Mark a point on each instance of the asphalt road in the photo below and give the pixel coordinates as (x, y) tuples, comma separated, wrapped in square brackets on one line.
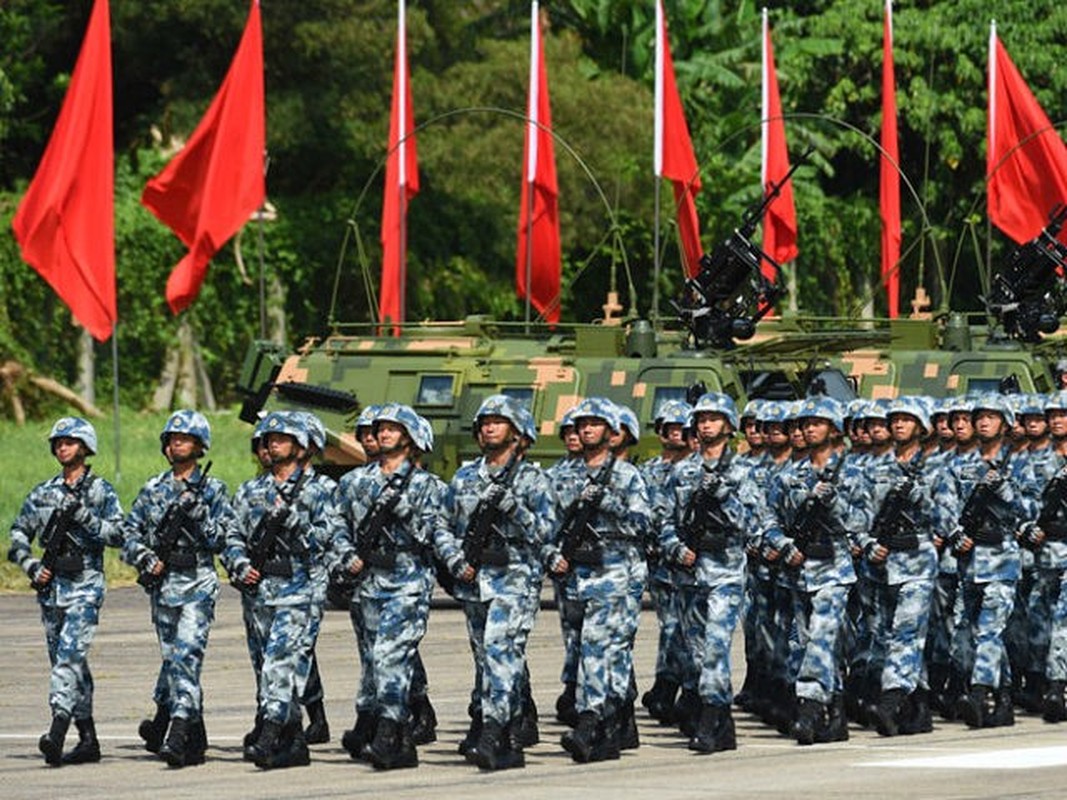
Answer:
[(1028, 760)]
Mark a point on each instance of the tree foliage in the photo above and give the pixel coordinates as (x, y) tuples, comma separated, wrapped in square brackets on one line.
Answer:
[(329, 78)]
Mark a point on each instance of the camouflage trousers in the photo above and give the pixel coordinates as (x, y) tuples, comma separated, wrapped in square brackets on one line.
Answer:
[(1040, 605), (708, 618), (900, 635), (495, 629), (570, 626), (182, 632), (819, 619), (1056, 663), (282, 630), (392, 626), (670, 655), (365, 693), (69, 632), (309, 681), (978, 648), (783, 639), (757, 621), (863, 610), (942, 624), (1017, 631)]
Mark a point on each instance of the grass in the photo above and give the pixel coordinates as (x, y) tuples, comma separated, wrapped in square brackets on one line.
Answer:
[(29, 462)]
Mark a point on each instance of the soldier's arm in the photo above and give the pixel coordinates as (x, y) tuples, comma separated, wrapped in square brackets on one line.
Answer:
[(30, 521)]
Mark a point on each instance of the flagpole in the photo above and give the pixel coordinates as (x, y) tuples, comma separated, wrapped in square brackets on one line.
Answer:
[(992, 133), (115, 400), (657, 158), (532, 118), (402, 157), (529, 250)]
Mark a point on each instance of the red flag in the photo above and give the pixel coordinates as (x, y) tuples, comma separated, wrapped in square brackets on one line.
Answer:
[(540, 252), (401, 184), (889, 177), (210, 189), (673, 155), (1026, 161), (780, 223), (65, 224)]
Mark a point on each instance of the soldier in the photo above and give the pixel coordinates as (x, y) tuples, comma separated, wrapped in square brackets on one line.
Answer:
[(900, 549), (982, 507), (390, 513), (503, 510), (286, 522), (939, 419), (671, 426), (808, 528), (73, 516), (709, 525), (751, 430), (597, 555), (178, 523)]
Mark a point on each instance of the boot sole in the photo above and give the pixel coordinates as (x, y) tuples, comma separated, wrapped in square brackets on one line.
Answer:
[(53, 755)]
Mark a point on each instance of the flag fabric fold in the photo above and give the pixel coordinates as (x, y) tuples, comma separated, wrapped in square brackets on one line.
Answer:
[(1026, 160), (780, 222), (211, 188), (673, 156), (538, 248), (889, 177), (401, 185), (65, 222)]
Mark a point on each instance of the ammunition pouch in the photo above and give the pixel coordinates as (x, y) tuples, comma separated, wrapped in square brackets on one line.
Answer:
[(897, 542), (379, 560), (589, 556), (708, 541), (182, 559), (278, 567), (987, 535), (820, 548), (1055, 531), (495, 558), (69, 566)]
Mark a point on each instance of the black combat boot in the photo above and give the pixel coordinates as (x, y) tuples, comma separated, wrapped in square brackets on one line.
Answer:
[(356, 740), (708, 724), (781, 712), (659, 700), (173, 749), (954, 696), (836, 728), (494, 750), (687, 711), (196, 747), (855, 685), (743, 699), (1003, 715), (810, 720), (268, 743), (249, 742), (888, 712), (470, 741), (1033, 695), (726, 738), (566, 711), (524, 729), (87, 750), (606, 743), (937, 677), (580, 742), (318, 729), (915, 714), (392, 747), (289, 748), (423, 721), (629, 738), (154, 730), (1054, 707), (297, 753), (977, 706), (51, 743)]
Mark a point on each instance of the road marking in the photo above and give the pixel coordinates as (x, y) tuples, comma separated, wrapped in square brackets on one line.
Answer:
[(1027, 758)]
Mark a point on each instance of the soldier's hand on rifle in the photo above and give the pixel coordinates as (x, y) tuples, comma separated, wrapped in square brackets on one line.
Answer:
[(40, 575), (687, 557), (561, 567), (796, 557), (156, 568), (878, 554), (963, 545), (824, 490), (1031, 534), (592, 493), (251, 576), (355, 566), (992, 478), (82, 515), (467, 576)]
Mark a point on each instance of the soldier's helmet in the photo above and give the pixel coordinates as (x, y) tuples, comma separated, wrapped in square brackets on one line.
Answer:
[(751, 410), (876, 409), (566, 421), (672, 412), (528, 425), (598, 408), (771, 411), (629, 422), (366, 417), (1056, 401), (423, 437), (402, 415), (715, 403), (287, 423), (822, 407), (74, 428), (856, 409), (1030, 405), (499, 405), (791, 410), (188, 422), (961, 404), (913, 406), (995, 402), (316, 430)]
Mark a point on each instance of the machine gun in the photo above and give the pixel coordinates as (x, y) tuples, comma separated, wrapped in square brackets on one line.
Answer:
[(175, 523), (730, 293), (1029, 294), (704, 525), (62, 552), (269, 535), (576, 532), (894, 525), (976, 509), (812, 525), (485, 520)]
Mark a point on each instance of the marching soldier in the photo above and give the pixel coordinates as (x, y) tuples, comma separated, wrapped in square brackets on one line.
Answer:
[(177, 525), (72, 516)]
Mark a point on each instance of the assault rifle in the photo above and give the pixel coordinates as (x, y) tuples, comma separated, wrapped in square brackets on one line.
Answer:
[(576, 531), (730, 294), (175, 522), (57, 539), (485, 520), (704, 526), (812, 526), (1051, 519), (895, 525), (978, 503), (372, 526), (270, 534)]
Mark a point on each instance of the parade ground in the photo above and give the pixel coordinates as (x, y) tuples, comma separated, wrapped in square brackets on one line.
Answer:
[(1026, 761)]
